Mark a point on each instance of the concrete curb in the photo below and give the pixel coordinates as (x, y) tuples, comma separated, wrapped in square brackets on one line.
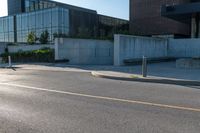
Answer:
[(6, 67), (55, 70), (148, 80), (41, 69)]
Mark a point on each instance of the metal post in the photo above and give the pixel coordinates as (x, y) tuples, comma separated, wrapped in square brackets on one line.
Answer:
[(144, 66), (9, 62), (193, 26)]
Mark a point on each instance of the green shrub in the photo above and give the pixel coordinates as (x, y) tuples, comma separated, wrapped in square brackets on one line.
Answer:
[(31, 38), (6, 50), (44, 37), (42, 55)]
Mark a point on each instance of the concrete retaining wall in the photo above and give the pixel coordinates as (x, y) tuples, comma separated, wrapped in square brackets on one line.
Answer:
[(84, 51), (184, 48), (134, 47), (103, 52), (17, 48)]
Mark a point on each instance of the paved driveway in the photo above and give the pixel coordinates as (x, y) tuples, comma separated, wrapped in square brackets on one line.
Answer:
[(33, 101)]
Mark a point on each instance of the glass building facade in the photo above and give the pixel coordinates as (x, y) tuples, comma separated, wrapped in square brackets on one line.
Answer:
[(54, 20), (37, 16), (16, 6), (109, 26), (34, 5), (7, 29)]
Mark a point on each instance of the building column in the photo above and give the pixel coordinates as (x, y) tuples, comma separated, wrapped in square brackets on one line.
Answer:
[(193, 27)]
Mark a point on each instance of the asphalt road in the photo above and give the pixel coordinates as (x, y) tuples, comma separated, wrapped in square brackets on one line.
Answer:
[(75, 102)]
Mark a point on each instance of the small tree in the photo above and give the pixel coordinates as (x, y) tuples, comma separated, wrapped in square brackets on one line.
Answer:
[(44, 37), (31, 38)]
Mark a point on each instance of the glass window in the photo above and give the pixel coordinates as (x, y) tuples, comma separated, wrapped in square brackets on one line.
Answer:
[(24, 36), (19, 36), (39, 32), (24, 19), (55, 17), (65, 18), (41, 5), (27, 5), (1, 25), (6, 37), (54, 30), (39, 20), (11, 24), (5, 25), (47, 18), (1, 37), (11, 37), (18, 17), (55, 20), (31, 21)]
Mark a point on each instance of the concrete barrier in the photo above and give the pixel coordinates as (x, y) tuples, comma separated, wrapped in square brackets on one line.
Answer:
[(135, 47), (180, 48), (84, 51), (17, 48), (125, 48)]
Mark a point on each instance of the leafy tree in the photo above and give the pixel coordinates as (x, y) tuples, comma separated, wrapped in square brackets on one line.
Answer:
[(31, 38), (44, 37)]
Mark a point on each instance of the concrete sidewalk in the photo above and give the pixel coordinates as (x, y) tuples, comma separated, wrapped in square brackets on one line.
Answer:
[(139, 78), (45, 67), (159, 71)]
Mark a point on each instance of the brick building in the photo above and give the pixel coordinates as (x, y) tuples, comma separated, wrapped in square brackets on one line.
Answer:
[(146, 19)]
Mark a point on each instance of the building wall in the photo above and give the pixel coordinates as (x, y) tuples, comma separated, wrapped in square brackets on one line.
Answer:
[(16, 28), (58, 19), (108, 26), (83, 24), (134, 47), (15, 6), (54, 20), (34, 5), (84, 51), (146, 19)]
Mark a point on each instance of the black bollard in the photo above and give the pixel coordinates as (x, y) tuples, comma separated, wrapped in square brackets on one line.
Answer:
[(144, 66)]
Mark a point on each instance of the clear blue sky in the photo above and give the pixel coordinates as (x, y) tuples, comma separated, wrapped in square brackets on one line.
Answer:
[(115, 8)]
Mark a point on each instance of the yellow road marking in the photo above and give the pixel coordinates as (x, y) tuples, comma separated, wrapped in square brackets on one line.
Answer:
[(106, 98)]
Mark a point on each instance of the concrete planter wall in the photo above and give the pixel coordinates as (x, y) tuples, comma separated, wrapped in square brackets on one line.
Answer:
[(184, 48), (104, 52), (17, 48), (134, 47), (84, 51)]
